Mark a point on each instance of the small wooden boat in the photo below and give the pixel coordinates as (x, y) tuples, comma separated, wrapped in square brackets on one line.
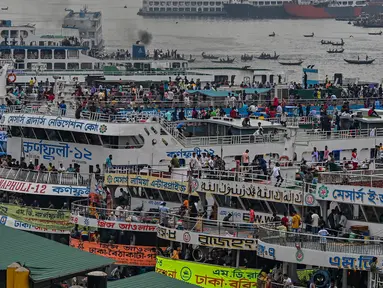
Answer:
[(335, 51), (272, 35), (207, 56), (223, 60), (324, 42), (365, 62), (291, 63), (341, 43), (191, 60), (309, 35), (267, 57), (375, 33), (246, 57)]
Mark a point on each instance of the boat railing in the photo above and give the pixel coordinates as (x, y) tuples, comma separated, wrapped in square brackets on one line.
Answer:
[(313, 135), (87, 209), (201, 224), (269, 233), (352, 179), (59, 178)]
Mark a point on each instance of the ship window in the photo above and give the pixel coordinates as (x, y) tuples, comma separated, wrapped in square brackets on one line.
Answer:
[(205, 9), (279, 2), (212, 9), (260, 2), (218, 3), (162, 9), (193, 3), (86, 66), (357, 3), (93, 139), (49, 66), (73, 53), (28, 133), (19, 54), (24, 34), (169, 3), (176, 65), (156, 3), (59, 54), (273, 3), (156, 9), (168, 9), (110, 141), (73, 66), (153, 194), (139, 65), (46, 54), (4, 34), (151, 3), (181, 9), (187, 9), (32, 54), (162, 3), (205, 3), (193, 9), (14, 34), (218, 9), (80, 137), (59, 66), (350, 3), (267, 3), (212, 3), (40, 133), (175, 3), (181, 3), (199, 3), (66, 136), (15, 131), (150, 9), (53, 135), (187, 3), (169, 196)]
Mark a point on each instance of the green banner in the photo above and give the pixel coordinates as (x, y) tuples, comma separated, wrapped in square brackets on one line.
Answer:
[(44, 218)]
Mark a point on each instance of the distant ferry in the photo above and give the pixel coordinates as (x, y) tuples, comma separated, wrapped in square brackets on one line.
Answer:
[(182, 8)]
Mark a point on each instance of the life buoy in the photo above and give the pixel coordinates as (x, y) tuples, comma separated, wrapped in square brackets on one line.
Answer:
[(283, 161), (11, 77)]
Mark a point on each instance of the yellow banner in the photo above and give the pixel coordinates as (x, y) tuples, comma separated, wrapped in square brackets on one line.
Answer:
[(206, 275), (147, 182)]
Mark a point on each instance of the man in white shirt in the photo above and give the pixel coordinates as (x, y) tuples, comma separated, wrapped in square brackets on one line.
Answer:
[(315, 222), (277, 175), (193, 162), (204, 161), (61, 168), (287, 282), (211, 162)]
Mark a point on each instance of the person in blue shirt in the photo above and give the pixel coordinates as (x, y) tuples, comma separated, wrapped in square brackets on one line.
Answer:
[(108, 162), (62, 107)]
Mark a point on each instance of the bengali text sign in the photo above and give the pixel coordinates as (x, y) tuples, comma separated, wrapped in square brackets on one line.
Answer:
[(43, 218), (16, 224), (147, 182), (122, 254), (206, 275)]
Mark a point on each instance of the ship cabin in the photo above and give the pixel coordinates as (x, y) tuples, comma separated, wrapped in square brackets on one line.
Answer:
[(187, 6)]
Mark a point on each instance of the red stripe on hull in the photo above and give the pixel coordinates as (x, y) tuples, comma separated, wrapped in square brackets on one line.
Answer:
[(306, 11)]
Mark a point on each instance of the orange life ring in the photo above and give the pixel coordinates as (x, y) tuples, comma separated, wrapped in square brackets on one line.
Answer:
[(283, 160), (11, 77)]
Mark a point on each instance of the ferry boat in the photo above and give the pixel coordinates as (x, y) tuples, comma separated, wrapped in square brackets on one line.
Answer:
[(182, 8)]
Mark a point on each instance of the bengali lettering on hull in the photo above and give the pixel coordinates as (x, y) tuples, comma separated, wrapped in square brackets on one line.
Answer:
[(328, 259), (43, 189), (117, 225), (206, 240), (206, 275), (13, 223)]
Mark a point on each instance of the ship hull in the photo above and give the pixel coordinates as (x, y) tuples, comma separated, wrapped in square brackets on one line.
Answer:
[(312, 12), (246, 11)]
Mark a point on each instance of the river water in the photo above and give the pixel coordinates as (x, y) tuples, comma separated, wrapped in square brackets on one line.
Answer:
[(218, 36)]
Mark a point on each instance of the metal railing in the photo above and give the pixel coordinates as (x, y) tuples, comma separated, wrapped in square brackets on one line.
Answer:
[(368, 178), (83, 208), (312, 135), (152, 171), (208, 226), (60, 178), (268, 233)]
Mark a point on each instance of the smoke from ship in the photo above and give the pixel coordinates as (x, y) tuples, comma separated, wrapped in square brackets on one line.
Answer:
[(144, 37)]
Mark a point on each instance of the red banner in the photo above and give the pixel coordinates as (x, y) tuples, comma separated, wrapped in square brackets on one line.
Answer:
[(123, 254)]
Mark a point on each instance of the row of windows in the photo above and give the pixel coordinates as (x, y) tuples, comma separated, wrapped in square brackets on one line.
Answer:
[(169, 3), (186, 9)]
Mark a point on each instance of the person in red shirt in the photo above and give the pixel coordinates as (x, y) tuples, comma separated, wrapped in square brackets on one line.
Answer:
[(233, 113), (252, 216), (275, 102), (354, 159), (372, 113), (285, 220), (272, 113)]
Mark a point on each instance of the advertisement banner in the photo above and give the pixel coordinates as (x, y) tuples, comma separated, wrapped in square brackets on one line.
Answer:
[(123, 254), (43, 218), (206, 275), (147, 182), (13, 223), (117, 225)]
